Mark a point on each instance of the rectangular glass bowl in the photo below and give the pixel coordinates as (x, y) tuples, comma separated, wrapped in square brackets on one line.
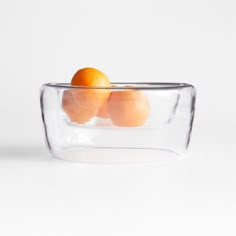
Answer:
[(164, 135)]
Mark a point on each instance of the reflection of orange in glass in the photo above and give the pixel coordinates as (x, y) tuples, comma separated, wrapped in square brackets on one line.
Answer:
[(128, 108), (88, 101)]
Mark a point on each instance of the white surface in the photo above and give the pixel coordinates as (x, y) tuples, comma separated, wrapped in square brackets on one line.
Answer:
[(45, 196), (183, 41)]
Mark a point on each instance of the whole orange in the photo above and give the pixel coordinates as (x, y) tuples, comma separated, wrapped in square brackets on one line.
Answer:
[(89, 99), (128, 108)]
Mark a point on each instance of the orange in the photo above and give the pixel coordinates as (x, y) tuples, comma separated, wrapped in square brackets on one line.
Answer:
[(87, 101), (128, 108), (72, 109), (90, 77), (102, 112)]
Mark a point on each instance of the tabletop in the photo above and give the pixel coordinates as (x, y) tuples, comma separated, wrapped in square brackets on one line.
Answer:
[(41, 195)]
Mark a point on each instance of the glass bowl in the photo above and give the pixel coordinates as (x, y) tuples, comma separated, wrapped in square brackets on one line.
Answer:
[(165, 134)]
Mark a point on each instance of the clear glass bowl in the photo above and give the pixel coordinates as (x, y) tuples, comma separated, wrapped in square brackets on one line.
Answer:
[(164, 136)]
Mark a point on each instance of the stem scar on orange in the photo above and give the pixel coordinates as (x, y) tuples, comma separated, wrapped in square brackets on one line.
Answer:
[(128, 108), (87, 99)]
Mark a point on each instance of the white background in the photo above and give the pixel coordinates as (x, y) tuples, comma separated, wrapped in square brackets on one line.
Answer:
[(176, 41)]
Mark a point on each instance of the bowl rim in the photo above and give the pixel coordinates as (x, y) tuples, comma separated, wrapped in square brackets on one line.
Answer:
[(135, 86)]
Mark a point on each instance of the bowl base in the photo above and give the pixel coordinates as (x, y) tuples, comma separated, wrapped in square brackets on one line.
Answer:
[(118, 155)]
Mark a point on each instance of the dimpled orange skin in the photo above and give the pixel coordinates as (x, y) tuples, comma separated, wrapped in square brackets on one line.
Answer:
[(128, 108), (72, 110), (88, 101)]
